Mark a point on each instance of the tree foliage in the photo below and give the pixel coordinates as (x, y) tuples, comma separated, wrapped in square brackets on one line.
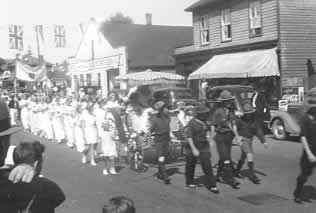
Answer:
[(119, 18)]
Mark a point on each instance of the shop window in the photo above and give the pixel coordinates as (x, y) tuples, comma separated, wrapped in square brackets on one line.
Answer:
[(204, 30), (16, 37), (60, 36), (255, 19), (226, 25)]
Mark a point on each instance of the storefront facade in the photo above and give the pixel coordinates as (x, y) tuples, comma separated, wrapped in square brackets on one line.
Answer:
[(249, 25)]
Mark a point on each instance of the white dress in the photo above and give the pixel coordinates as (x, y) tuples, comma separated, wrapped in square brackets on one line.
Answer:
[(58, 124), (69, 122), (79, 136), (90, 127), (108, 145), (47, 124), (25, 120)]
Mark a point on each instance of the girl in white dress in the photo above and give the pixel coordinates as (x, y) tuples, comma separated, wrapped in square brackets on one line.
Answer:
[(69, 120), (90, 130), (106, 128), (58, 123), (47, 124), (79, 134)]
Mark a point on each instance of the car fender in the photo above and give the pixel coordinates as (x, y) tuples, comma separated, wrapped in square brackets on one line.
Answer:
[(290, 123)]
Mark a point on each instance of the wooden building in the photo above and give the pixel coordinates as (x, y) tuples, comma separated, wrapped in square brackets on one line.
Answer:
[(232, 26)]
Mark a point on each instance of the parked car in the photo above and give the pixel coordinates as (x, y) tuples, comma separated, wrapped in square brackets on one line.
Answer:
[(173, 95), (285, 123)]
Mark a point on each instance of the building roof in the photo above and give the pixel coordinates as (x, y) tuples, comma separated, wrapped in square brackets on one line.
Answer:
[(148, 45), (200, 3)]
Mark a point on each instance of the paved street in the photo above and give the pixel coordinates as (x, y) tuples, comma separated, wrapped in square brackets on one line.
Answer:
[(86, 189)]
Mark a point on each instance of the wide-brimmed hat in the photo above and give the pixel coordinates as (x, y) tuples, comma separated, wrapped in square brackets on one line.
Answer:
[(4, 118), (195, 110), (180, 105), (247, 108), (225, 95)]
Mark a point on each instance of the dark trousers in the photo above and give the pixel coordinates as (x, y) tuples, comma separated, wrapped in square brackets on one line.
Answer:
[(205, 160), (224, 143), (306, 171)]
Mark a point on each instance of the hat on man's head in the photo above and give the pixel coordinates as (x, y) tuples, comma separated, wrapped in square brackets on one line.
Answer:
[(201, 109), (189, 110), (5, 126), (225, 95), (247, 108), (180, 105)]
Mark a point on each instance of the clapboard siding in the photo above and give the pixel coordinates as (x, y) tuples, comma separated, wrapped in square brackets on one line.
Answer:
[(240, 24), (297, 36)]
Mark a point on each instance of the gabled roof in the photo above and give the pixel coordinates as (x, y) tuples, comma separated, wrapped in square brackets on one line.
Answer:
[(148, 45), (200, 4)]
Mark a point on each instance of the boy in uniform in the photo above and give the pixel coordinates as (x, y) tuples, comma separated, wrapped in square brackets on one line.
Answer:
[(247, 128)]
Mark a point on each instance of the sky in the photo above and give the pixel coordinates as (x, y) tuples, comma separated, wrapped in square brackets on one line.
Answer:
[(164, 12)]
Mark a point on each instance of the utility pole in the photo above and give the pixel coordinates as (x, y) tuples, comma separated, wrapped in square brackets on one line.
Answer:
[(37, 41)]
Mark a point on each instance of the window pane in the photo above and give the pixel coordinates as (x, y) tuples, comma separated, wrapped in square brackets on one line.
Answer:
[(12, 43)]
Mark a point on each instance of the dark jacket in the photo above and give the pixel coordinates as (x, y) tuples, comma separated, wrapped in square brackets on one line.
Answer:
[(13, 197)]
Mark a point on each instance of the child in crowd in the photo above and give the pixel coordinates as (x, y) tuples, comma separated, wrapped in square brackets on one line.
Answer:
[(119, 205)]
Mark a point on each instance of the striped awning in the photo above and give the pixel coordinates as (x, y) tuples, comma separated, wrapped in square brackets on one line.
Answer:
[(258, 63), (150, 77)]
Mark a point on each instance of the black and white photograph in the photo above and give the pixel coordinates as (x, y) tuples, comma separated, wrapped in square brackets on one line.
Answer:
[(146, 106)]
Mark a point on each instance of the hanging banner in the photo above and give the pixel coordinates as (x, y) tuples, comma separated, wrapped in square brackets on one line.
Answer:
[(25, 72)]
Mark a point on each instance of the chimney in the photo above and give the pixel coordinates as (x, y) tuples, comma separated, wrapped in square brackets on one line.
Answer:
[(148, 18)]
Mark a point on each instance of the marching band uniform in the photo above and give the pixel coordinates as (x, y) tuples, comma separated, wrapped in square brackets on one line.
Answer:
[(198, 148), (247, 128), (224, 128)]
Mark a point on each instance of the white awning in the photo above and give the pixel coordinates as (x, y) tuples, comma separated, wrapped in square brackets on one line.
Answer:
[(258, 63)]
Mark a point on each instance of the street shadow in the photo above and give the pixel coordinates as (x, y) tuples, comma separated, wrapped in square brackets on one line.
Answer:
[(246, 173), (173, 171), (308, 193)]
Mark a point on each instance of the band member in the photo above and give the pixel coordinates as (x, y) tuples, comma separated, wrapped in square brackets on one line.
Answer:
[(160, 129), (225, 129), (308, 139), (247, 128), (198, 148)]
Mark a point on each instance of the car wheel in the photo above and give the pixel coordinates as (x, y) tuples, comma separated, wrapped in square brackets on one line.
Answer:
[(278, 129)]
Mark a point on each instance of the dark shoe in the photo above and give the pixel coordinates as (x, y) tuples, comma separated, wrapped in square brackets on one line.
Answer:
[(167, 181), (235, 185), (213, 190), (253, 178), (298, 200)]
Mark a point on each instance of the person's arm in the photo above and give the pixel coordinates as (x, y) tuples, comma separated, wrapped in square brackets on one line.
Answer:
[(304, 124), (188, 132), (236, 133)]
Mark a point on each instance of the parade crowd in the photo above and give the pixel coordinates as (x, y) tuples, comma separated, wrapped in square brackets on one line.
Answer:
[(103, 128)]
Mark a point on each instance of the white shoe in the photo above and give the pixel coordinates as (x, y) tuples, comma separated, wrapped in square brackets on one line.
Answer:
[(93, 163), (105, 172), (112, 171), (84, 160)]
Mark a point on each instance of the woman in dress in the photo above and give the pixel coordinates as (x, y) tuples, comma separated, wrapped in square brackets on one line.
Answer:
[(69, 122), (58, 123), (106, 130), (90, 130), (47, 124), (79, 133), (25, 114)]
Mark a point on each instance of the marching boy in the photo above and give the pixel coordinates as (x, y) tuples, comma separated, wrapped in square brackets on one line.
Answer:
[(247, 128)]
